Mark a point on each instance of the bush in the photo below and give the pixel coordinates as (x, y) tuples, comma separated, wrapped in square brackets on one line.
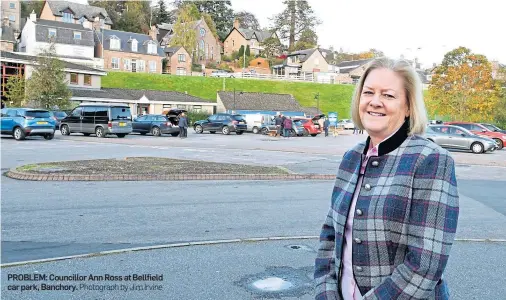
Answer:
[(194, 116), (211, 65), (226, 58), (234, 55), (196, 68), (224, 66)]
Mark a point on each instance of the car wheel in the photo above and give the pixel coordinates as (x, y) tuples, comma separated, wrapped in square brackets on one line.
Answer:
[(19, 134), (255, 130), (175, 134), (265, 131), (49, 136), (225, 130), (65, 130), (156, 131), (314, 134), (199, 129), (305, 133), (477, 148), (212, 132), (121, 135), (99, 131), (239, 132), (499, 143)]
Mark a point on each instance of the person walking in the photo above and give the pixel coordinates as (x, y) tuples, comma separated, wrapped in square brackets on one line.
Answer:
[(395, 204), (278, 122), (287, 127), (183, 126), (326, 125), (282, 129)]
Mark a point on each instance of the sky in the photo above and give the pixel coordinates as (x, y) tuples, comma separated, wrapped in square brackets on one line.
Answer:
[(426, 29)]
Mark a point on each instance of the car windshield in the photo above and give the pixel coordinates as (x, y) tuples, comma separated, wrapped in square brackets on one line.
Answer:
[(37, 114), (490, 127), (60, 114), (120, 113), (237, 117)]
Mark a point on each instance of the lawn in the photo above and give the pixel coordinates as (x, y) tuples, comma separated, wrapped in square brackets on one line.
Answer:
[(333, 97)]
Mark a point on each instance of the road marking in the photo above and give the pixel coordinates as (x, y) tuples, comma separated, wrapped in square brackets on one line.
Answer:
[(196, 243)]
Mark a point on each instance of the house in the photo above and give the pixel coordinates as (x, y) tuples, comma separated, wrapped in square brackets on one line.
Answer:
[(178, 61), (497, 74), (11, 10), (73, 42), (75, 13), (302, 63), (128, 51), (78, 76), (238, 37), (145, 101), (246, 102), (351, 71), (208, 47), (7, 37)]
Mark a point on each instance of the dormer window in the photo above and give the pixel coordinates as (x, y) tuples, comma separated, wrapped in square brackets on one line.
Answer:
[(115, 43), (152, 48), (68, 17), (134, 45)]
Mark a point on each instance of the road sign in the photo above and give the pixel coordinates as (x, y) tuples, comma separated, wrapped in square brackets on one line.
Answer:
[(333, 118)]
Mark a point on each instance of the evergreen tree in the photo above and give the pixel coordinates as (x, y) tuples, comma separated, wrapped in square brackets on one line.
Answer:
[(162, 15), (241, 51), (248, 53)]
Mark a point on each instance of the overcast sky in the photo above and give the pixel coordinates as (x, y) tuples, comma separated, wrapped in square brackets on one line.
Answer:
[(426, 29)]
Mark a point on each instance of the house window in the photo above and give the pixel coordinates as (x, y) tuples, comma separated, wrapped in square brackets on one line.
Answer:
[(12, 5), (152, 66), (68, 18), (134, 45), (197, 108), (115, 43), (12, 18), (115, 63), (181, 58), (181, 71), (81, 20), (126, 64), (167, 106), (87, 79), (141, 65), (74, 78), (212, 53), (202, 46), (52, 32), (77, 35), (181, 106), (233, 43), (152, 48)]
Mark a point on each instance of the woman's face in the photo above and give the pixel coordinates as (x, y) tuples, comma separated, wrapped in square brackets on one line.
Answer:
[(383, 103)]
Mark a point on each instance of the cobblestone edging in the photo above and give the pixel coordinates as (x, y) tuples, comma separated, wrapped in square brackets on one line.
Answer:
[(15, 174)]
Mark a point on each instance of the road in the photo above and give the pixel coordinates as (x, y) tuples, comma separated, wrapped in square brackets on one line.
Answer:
[(54, 219)]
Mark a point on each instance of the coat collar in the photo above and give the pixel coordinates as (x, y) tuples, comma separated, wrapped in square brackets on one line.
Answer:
[(391, 143)]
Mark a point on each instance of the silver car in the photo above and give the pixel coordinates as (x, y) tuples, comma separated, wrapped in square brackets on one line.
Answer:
[(455, 137)]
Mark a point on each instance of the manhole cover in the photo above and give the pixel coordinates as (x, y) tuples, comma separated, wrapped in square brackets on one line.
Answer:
[(300, 247)]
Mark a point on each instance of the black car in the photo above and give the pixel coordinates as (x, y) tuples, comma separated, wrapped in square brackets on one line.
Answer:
[(225, 123), (156, 124)]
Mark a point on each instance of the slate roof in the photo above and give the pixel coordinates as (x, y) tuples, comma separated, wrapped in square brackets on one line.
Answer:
[(125, 44), (80, 10), (259, 101), (261, 35), (423, 76), (172, 50), (130, 94), (8, 34), (348, 66), (303, 54), (311, 111), (30, 59), (64, 33)]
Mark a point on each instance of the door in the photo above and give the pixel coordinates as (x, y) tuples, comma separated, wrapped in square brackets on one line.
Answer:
[(8, 120), (137, 125), (101, 116), (459, 139), (443, 138), (211, 125), (74, 120), (134, 66), (146, 123), (88, 119)]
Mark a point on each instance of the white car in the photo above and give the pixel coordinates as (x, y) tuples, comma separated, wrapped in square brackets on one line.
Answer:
[(346, 124), (222, 73)]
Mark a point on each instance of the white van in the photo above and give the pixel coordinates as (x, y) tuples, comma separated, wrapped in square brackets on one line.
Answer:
[(255, 121)]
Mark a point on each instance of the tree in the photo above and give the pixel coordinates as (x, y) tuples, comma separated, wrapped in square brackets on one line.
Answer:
[(248, 51), (28, 6), (210, 23), (220, 11), (241, 51), (15, 90), (127, 15), (184, 31), (162, 15), (463, 88), (247, 20), (307, 40), (47, 87), (297, 17), (272, 47)]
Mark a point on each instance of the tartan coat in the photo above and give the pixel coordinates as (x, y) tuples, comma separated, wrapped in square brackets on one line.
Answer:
[(405, 221)]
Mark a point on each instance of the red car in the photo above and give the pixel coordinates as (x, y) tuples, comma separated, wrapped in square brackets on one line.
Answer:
[(306, 126), (498, 137)]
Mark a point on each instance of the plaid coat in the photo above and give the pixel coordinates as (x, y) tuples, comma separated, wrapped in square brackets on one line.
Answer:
[(407, 216)]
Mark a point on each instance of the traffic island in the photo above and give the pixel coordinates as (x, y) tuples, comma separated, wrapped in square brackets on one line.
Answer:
[(153, 168)]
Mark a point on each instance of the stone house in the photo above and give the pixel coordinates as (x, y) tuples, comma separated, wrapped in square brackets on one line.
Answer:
[(75, 13), (238, 37), (128, 51), (11, 10), (208, 47), (302, 63), (8, 36), (178, 61)]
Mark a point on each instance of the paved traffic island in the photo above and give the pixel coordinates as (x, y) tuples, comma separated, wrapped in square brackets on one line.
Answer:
[(153, 168)]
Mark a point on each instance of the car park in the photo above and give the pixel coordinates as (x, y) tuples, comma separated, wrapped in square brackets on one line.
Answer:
[(222, 73), (226, 123), (99, 119), (498, 137), (455, 137), (23, 122)]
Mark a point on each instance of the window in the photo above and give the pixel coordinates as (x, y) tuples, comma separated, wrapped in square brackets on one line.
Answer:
[(152, 66), (101, 111), (77, 35), (12, 18), (233, 43), (126, 65), (213, 118), (134, 45), (52, 32), (181, 71), (68, 17), (141, 66), (197, 108), (152, 48), (89, 111), (77, 112), (115, 43), (181, 58), (115, 63), (87, 79), (74, 78), (181, 106), (167, 106), (212, 53), (12, 5), (81, 20)]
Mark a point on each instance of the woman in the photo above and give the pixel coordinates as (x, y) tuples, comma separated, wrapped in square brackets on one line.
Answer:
[(287, 127), (395, 204)]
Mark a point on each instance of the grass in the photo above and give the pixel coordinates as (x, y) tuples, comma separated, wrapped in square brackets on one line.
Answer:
[(35, 167), (333, 97)]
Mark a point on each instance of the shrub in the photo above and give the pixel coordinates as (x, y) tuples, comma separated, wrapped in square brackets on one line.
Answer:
[(211, 65), (194, 116), (196, 68), (226, 58)]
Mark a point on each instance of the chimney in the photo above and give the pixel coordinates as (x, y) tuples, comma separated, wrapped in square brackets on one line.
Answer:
[(5, 22), (153, 32), (33, 16), (236, 24)]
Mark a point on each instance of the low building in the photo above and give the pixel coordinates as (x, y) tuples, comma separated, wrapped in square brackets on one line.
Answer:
[(246, 102), (145, 101), (75, 13), (177, 61), (302, 63), (238, 37), (351, 71)]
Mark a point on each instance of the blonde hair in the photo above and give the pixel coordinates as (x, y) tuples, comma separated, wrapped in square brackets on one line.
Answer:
[(412, 86)]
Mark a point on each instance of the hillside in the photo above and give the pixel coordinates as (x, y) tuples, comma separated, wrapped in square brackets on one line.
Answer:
[(333, 97)]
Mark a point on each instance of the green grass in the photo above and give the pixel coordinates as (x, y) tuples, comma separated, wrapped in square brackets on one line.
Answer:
[(34, 167), (333, 97)]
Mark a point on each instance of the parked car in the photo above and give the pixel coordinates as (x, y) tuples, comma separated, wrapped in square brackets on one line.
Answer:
[(256, 121), (307, 126), (99, 119), (492, 127), (346, 124), (23, 122), (222, 73), (455, 137), (225, 123), (155, 125), (499, 137), (58, 115)]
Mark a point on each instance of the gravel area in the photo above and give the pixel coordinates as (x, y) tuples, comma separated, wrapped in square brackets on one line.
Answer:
[(145, 166)]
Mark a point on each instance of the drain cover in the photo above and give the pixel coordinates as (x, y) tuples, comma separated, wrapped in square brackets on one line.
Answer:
[(300, 247)]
